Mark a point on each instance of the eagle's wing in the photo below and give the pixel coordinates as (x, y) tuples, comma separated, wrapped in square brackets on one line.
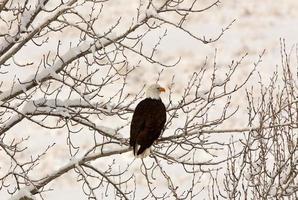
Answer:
[(147, 123), (137, 124)]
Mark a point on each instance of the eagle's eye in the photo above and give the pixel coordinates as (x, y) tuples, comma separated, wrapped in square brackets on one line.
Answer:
[(161, 89)]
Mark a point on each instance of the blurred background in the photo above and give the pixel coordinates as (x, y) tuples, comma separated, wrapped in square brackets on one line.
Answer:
[(258, 26)]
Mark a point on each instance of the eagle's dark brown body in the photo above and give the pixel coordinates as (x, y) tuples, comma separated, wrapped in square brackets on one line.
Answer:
[(147, 123)]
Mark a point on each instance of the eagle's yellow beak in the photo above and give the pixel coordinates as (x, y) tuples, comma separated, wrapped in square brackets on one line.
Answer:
[(161, 89)]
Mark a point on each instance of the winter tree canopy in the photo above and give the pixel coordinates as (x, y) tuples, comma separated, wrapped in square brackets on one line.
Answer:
[(72, 73)]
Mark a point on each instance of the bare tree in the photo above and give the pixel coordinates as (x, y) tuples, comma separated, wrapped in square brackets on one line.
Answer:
[(76, 84), (266, 167)]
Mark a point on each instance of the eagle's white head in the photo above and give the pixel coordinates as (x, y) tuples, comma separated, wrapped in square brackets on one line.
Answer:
[(153, 91)]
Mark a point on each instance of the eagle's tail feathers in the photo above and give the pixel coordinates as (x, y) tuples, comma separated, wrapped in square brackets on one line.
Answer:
[(135, 149), (143, 152)]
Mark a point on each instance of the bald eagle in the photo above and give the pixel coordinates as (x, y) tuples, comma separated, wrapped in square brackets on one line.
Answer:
[(147, 122)]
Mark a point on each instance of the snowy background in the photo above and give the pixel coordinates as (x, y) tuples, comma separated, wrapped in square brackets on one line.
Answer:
[(259, 25)]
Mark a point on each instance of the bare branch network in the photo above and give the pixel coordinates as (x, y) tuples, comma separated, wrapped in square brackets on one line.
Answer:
[(66, 108)]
